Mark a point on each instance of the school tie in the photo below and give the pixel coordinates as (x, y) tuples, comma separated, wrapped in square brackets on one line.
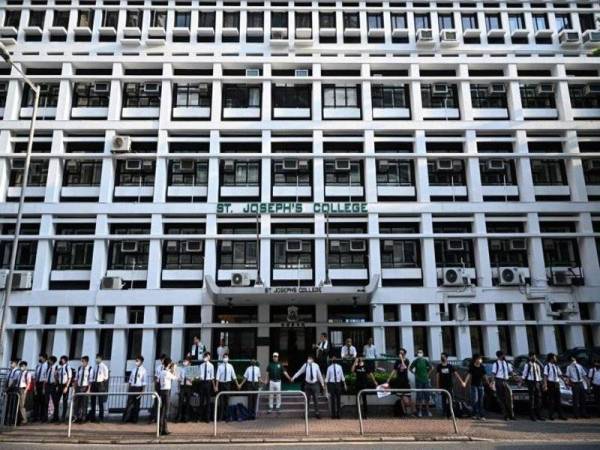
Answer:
[(49, 379), (38, 372), (205, 371), (135, 376), (96, 374), (195, 352), (184, 377), (310, 378), (578, 374), (19, 380)]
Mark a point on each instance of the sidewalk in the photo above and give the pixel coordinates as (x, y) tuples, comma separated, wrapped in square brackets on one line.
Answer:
[(274, 429)]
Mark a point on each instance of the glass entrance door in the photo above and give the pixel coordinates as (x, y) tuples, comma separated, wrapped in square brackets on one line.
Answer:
[(293, 345)]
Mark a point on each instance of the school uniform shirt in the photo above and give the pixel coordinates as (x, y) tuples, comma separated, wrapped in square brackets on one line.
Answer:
[(502, 369), (552, 372), (165, 379), (100, 373), (312, 373), (185, 378), (51, 374), (137, 377), (83, 376), (532, 371), (252, 374), (575, 373), (221, 352), (370, 351), (207, 371), (334, 374), (64, 374), (348, 352), (225, 373), (594, 376), (41, 372), (198, 351), (25, 378), (13, 377), (157, 371)]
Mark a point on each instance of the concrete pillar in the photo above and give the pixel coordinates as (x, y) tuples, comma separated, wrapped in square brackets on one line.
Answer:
[(62, 332), (32, 341), (43, 256), (262, 351), (518, 333), (535, 253), (90, 335), (206, 333), (378, 330), (481, 251), (154, 271), (118, 356), (178, 347), (406, 331), (434, 337), (491, 341), (149, 335), (428, 253)]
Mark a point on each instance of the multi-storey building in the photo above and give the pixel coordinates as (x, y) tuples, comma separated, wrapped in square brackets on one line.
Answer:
[(425, 173)]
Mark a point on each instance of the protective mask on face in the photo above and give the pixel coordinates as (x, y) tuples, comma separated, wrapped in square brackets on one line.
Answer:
[(420, 355), (186, 363), (98, 361), (138, 363), (206, 359), (226, 359), (310, 361)]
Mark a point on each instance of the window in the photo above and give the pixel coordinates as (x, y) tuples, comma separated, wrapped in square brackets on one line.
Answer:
[(279, 20), (36, 18), (299, 259), (244, 173), (133, 172), (48, 96), (12, 18), (340, 96), (134, 18), (184, 175), (346, 253), (560, 252), (493, 175), (394, 173), (540, 22), (451, 177), (399, 21), (530, 98), (446, 21), (73, 255), (292, 96), (176, 255), (85, 95), (548, 172), (501, 251), (38, 173), (231, 20), (286, 177), (389, 96), (26, 250), (481, 97), (3, 90), (587, 22), (563, 22), (334, 177), (158, 19), (241, 96), (374, 21), (592, 178), (61, 18), (134, 342), (579, 99), (129, 255), (516, 22), (206, 19), (351, 20), (492, 22), (110, 18), (303, 20), (237, 254), (469, 21), (422, 21), (182, 19), (255, 19), (139, 95), (326, 20), (432, 100), (85, 18), (397, 254), (82, 172), (446, 256), (192, 95)]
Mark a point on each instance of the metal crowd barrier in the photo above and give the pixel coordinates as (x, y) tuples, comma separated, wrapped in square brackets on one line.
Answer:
[(128, 394), (441, 391), (258, 393), (5, 400)]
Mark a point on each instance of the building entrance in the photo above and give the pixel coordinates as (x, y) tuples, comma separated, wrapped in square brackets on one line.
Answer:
[(293, 344)]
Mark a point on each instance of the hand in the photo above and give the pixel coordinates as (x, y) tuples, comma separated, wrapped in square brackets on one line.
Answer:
[(464, 385)]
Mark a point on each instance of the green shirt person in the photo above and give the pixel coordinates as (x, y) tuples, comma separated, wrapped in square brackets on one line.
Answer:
[(275, 371), (421, 367)]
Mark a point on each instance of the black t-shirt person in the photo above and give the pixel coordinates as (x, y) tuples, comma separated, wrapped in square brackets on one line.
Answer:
[(445, 371)]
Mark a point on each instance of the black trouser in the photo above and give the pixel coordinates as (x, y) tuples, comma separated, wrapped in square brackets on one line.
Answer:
[(252, 386), (165, 398), (554, 404), (155, 403), (12, 406), (596, 391), (132, 409), (363, 398), (312, 391), (59, 394), (40, 405), (80, 404), (505, 398), (183, 406), (322, 361), (206, 388), (578, 390), (446, 400), (99, 399), (51, 390), (224, 399), (335, 398), (534, 388)]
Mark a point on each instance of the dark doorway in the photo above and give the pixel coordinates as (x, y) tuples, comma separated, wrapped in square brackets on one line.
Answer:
[(293, 344)]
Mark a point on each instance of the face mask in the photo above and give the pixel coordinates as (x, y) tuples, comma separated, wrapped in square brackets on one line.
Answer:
[(98, 361), (206, 359), (310, 361), (40, 360), (420, 355), (186, 363), (138, 363), (226, 359)]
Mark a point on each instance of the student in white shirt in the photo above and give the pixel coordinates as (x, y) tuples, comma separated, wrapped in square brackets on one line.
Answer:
[(198, 349), (225, 381), (82, 385), (370, 354), (137, 383), (99, 382), (184, 410), (552, 376), (64, 376), (252, 380), (313, 382), (533, 377), (349, 350), (222, 350), (502, 370), (25, 380), (594, 376), (158, 367), (206, 375), (578, 381), (40, 399), (335, 381), (11, 386), (50, 385), (323, 350), (165, 379)]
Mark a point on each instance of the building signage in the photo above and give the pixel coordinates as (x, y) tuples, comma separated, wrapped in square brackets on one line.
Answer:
[(292, 208), (293, 290)]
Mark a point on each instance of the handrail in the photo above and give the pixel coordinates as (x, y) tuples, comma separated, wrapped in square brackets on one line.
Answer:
[(106, 394), (441, 391), (7, 395), (258, 393)]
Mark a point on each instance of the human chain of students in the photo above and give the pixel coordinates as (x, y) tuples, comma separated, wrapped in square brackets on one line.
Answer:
[(324, 372)]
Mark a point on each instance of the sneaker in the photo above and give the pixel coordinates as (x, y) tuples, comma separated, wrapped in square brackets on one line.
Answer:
[(482, 418), (269, 411), (419, 414), (428, 413)]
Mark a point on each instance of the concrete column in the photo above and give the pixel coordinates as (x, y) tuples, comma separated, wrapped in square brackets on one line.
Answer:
[(406, 332), (206, 333), (149, 334), (595, 315), (178, 347), (513, 94), (5, 149), (546, 336), (464, 96), (563, 98), (518, 333), (32, 341), (265, 171), (421, 173), (574, 168), (316, 102), (55, 166), (370, 168), (14, 94), (574, 333), (118, 356), (374, 249), (434, 337), (62, 332), (416, 103), (379, 330), (153, 278), (116, 93), (262, 351), (472, 167), (90, 336), (162, 164), (587, 251), (367, 107), (43, 256), (523, 168), (462, 333), (266, 94), (339, 22), (481, 250), (428, 265), (491, 341), (535, 253), (216, 104), (107, 180), (319, 196), (100, 255), (65, 96), (265, 250)]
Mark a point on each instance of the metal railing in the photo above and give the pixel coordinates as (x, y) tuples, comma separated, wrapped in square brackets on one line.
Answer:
[(258, 394), (434, 390), (128, 394), (6, 403)]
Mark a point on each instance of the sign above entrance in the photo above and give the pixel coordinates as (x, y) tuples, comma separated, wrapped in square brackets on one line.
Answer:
[(293, 208)]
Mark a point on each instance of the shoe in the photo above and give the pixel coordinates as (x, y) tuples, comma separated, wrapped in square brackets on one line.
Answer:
[(541, 419), (428, 413), (419, 414), (165, 433), (482, 418), (550, 418), (318, 416), (269, 411)]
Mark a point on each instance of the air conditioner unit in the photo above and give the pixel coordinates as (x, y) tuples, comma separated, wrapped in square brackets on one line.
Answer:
[(440, 90), (382, 166), (290, 164), (151, 88), (592, 89), (509, 276), (449, 36), (424, 35), (22, 280), (61, 247), (358, 245), (496, 88), (111, 283), (194, 246), (495, 165), (561, 278), (568, 37), (252, 72), (121, 144), (592, 164), (454, 277), (495, 245), (342, 164), (591, 37), (544, 88), (455, 245), (226, 246), (519, 245), (101, 88), (147, 163), (240, 279), (72, 164), (186, 165), (133, 164), (444, 164), (172, 246), (303, 165), (301, 73), (44, 88), (293, 245), (129, 247), (229, 166), (388, 245), (334, 245)]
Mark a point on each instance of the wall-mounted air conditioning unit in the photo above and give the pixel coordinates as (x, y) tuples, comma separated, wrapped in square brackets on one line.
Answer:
[(293, 245), (111, 283), (240, 279), (509, 276), (194, 246), (342, 165), (454, 276), (129, 247), (455, 245), (121, 144)]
